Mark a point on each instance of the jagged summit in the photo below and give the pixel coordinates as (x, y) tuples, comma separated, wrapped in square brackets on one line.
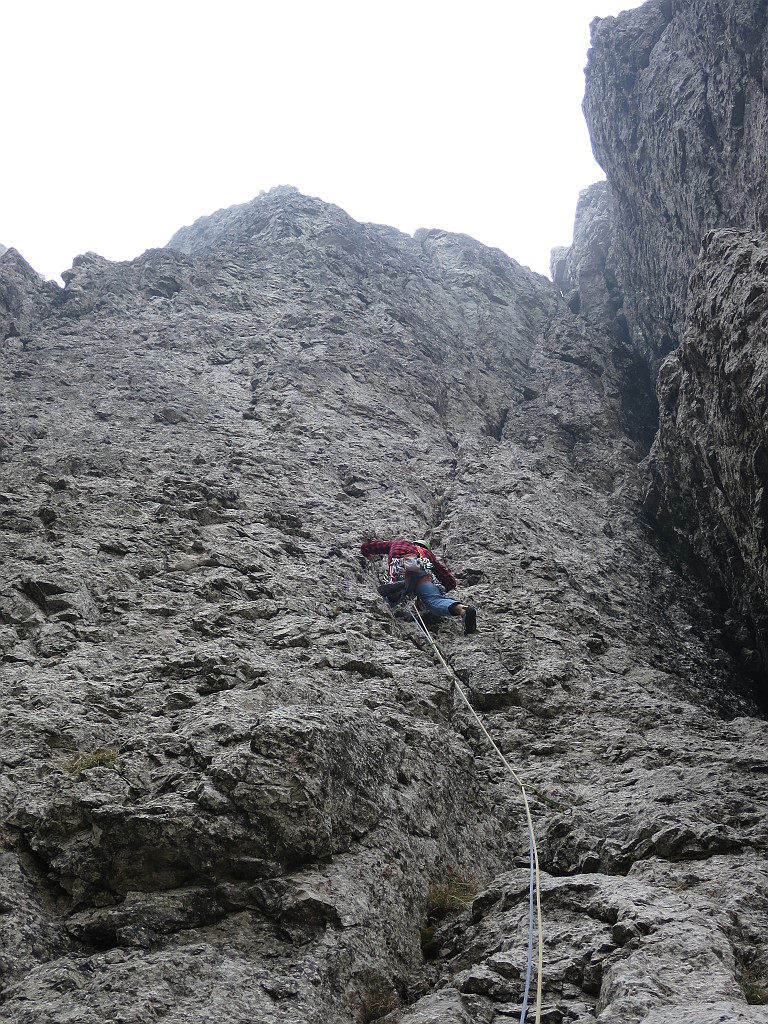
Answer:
[(282, 212), (283, 216)]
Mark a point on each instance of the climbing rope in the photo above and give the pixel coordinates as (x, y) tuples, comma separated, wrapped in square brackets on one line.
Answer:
[(531, 886), (534, 879)]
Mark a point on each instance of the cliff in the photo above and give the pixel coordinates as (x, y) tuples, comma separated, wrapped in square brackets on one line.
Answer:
[(676, 106), (234, 786), (678, 115)]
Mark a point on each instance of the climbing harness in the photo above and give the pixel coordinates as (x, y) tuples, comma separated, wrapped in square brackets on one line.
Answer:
[(534, 879), (403, 564)]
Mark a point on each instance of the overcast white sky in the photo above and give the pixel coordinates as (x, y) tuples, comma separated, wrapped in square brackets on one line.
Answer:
[(125, 119)]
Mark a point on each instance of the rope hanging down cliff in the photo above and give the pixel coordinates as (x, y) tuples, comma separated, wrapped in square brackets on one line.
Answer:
[(534, 855)]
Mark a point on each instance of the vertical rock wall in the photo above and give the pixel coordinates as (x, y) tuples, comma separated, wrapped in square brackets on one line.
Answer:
[(677, 108), (235, 787), (676, 105), (709, 463)]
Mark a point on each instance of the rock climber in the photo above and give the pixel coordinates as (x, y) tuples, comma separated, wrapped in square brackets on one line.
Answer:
[(414, 571)]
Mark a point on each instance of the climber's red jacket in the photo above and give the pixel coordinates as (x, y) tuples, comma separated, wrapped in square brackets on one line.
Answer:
[(404, 548)]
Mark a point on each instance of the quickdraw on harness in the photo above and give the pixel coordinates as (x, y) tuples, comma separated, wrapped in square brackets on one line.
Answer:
[(400, 566)]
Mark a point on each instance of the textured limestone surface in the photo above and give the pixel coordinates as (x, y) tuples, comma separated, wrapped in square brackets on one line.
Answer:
[(587, 277), (234, 786), (677, 109), (710, 460), (585, 271)]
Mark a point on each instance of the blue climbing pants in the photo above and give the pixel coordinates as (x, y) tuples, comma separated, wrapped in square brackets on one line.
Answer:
[(418, 584), (430, 596)]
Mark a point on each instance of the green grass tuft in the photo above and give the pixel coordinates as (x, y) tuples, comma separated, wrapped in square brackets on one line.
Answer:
[(81, 761), (754, 982), (453, 893)]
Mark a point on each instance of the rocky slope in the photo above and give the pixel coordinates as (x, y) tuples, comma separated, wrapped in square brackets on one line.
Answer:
[(234, 786)]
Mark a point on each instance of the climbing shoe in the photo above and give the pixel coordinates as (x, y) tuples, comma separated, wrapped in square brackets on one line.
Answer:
[(392, 592), (470, 621)]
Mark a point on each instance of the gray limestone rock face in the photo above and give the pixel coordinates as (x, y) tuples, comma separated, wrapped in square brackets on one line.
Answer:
[(587, 276), (24, 297), (623, 949), (678, 115), (235, 786), (677, 110), (585, 272), (709, 460)]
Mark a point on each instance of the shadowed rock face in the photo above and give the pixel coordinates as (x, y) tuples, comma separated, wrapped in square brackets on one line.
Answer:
[(676, 105), (677, 110), (234, 786), (585, 271), (710, 461)]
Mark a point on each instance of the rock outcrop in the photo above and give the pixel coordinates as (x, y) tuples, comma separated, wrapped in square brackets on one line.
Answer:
[(676, 105), (710, 462), (585, 271), (677, 110), (234, 786)]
